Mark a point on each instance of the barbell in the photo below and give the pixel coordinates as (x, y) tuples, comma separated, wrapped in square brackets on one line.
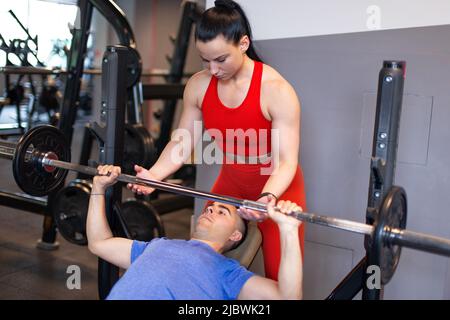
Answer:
[(41, 159)]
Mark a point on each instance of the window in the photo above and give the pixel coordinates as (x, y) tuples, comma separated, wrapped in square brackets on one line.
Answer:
[(49, 20)]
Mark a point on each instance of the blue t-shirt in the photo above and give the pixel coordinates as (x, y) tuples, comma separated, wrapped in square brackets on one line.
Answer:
[(179, 269)]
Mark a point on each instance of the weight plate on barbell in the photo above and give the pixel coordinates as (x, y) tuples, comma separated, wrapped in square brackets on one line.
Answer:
[(28, 172), (142, 220), (393, 213), (69, 209), (138, 148)]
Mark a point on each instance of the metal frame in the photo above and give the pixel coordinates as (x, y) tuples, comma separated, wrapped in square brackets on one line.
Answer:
[(112, 133), (115, 16), (382, 170)]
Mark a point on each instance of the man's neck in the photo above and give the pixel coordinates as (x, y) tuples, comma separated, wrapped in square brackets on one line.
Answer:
[(216, 246)]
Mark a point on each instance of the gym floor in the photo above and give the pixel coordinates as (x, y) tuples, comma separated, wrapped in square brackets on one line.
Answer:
[(30, 273)]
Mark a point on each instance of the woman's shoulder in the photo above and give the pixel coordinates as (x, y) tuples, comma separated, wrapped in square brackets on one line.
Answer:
[(273, 81), (200, 79), (197, 85)]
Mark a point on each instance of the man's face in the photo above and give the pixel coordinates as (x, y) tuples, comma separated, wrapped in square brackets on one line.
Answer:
[(219, 221)]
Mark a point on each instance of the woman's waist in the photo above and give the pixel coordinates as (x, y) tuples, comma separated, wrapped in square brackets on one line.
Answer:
[(258, 165), (255, 160)]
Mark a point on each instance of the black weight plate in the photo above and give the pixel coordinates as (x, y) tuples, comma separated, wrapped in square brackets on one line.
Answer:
[(28, 172), (149, 145), (393, 214), (69, 209), (83, 182), (138, 148), (134, 67), (142, 220)]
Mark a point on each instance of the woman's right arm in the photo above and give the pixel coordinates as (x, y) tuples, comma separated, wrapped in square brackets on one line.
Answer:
[(183, 139)]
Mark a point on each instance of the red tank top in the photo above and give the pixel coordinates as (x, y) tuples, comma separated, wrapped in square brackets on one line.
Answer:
[(242, 130)]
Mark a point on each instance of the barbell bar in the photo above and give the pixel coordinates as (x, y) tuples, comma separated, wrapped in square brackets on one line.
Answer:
[(41, 148), (393, 236), (49, 160)]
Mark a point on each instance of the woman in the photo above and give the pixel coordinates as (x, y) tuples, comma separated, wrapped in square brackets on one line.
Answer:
[(237, 92)]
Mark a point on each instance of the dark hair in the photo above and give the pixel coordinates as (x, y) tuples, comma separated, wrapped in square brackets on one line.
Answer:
[(228, 19)]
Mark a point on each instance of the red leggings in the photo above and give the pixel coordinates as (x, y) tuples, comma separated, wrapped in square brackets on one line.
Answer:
[(246, 182)]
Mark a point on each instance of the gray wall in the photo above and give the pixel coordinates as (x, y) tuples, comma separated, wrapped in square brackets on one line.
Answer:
[(336, 78)]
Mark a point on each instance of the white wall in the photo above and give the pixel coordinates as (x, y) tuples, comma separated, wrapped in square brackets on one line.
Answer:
[(297, 18)]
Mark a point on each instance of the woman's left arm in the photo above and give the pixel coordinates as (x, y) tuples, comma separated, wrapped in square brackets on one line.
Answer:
[(284, 110)]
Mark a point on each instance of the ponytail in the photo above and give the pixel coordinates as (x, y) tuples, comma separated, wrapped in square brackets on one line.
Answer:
[(228, 19)]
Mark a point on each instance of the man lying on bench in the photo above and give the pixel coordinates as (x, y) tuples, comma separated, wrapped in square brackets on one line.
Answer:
[(193, 269)]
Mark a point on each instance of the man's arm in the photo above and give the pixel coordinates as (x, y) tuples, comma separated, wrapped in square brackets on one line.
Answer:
[(290, 274), (101, 241)]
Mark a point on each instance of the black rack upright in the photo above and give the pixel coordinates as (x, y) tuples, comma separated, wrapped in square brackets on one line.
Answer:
[(382, 171)]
